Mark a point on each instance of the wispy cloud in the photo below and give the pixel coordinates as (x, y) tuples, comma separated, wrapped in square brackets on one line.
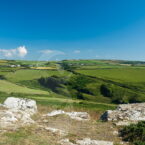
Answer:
[(52, 52), (77, 51), (21, 51), (49, 53)]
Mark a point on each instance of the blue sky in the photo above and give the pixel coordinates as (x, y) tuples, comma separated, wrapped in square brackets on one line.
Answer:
[(72, 29)]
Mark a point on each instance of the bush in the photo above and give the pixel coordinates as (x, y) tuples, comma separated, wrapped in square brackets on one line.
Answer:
[(52, 82), (2, 77), (79, 82), (134, 133), (106, 90), (119, 94), (66, 66)]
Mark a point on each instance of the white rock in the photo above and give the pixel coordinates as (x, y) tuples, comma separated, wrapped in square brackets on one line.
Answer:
[(122, 123), (126, 114), (55, 112), (17, 112), (78, 115), (115, 132), (14, 118), (55, 130), (86, 141), (26, 105), (81, 116), (66, 142)]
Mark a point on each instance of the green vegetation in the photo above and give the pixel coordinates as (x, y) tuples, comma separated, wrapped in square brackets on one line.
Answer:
[(122, 85), (134, 133), (83, 81), (87, 85), (30, 74), (9, 87), (127, 75)]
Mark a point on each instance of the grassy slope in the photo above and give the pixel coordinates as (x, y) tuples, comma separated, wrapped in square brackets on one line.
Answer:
[(118, 74), (30, 74), (54, 101), (9, 87), (23, 81)]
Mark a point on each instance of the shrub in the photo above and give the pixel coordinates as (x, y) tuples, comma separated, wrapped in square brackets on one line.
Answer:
[(79, 82), (2, 77), (66, 66), (106, 90), (52, 82), (134, 133), (80, 96)]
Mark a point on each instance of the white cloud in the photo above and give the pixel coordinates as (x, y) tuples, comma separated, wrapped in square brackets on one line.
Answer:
[(22, 51), (17, 52), (77, 51)]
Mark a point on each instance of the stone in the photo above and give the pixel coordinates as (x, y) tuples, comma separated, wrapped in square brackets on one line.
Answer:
[(85, 141), (80, 116), (17, 113), (55, 130), (55, 112), (126, 114), (22, 104), (88, 141), (123, 123), (66, 142), (115, 132)]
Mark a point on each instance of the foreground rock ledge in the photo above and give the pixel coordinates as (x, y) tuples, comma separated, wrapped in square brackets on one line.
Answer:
[(17, 112), (85, 141), (22, 104), (126, 114)]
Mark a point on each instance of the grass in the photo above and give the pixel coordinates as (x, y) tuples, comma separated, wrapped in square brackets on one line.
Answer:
[(25, 136), (130, 79), (30, 74), (24, 83), (65, 102), (118, 74), (9, 87)]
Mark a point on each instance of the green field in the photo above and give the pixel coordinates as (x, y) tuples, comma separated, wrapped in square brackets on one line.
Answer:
[(118, 74), (92, 84), (31, 74), (9, 87)]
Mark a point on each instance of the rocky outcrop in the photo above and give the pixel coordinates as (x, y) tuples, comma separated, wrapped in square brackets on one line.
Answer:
[(17, 112), (126, 114), (80, 116), (85, 141), (22, 104)]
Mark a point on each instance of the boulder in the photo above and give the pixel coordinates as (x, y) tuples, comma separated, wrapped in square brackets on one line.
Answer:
[(55, 112), (126, 114), (22, 104), (14, 119), (85, 141), (80, 116), (17, 112)]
